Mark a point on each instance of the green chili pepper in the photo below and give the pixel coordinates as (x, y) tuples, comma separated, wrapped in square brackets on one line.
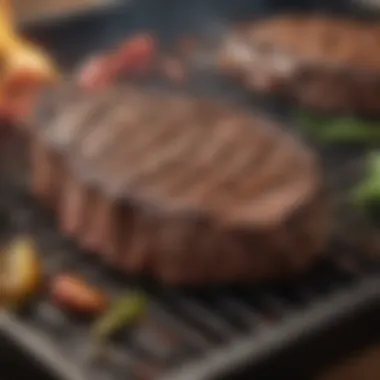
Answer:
[(367, 192), (122, 313), (340, 129)]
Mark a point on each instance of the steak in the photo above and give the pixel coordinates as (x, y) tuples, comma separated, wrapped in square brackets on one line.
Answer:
[(188, 191), (324, 64)]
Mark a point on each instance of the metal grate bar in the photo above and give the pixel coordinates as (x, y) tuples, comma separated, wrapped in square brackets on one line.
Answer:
[(191, 336), (206, 320), (236, 311)]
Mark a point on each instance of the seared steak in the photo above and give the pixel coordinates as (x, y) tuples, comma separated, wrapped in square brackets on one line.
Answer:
[(188, 191), (325, 64)]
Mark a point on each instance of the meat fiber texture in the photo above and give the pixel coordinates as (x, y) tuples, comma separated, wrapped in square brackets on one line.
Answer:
[(329, 65), (187, 191)]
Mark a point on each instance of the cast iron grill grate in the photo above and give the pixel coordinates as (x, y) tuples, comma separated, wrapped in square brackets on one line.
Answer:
[(183, 327)]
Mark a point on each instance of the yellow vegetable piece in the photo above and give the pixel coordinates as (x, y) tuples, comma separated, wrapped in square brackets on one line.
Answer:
[(27, 57), (20, 57), (6, 23), (22, 272)]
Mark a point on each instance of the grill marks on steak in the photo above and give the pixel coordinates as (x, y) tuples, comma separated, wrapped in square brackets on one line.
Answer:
[(326, 64), (189, 191), (47, 172)]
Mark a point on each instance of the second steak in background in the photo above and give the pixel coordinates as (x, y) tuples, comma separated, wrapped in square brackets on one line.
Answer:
[(326, 64)]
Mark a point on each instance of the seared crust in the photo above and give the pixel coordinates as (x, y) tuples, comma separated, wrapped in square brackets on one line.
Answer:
[(325, 64), (185, 190)]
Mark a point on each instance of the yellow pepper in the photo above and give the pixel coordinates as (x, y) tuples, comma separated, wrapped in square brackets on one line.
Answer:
[(21, 273), (22, 61)]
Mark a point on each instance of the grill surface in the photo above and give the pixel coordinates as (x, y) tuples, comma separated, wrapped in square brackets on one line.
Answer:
[(186, 334)]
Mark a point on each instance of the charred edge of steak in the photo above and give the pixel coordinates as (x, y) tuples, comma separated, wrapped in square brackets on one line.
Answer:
[(182, 250), (178, 248)]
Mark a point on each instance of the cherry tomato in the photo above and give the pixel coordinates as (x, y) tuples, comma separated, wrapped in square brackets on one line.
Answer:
[(135, 56), (73, 294)]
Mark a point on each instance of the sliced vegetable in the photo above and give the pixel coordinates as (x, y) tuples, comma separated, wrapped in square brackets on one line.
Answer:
[(21, 274), (73, 294), (340, 129), (367, 192), (123, 313)]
